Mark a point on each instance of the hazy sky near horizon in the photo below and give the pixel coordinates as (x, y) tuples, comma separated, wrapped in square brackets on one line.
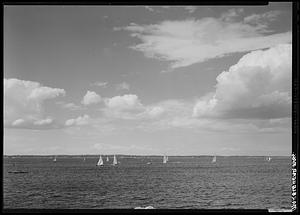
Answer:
[(188, 80)]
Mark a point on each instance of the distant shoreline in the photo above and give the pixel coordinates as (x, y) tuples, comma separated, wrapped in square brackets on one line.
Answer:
[(130, 156)]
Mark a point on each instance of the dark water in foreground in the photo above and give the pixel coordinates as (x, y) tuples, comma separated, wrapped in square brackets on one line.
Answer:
[(184, 182)]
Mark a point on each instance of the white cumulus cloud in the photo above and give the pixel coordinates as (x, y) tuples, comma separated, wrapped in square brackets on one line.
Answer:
[(258, 86), (44, 121), (81, 120), (24, 101), (18, 122), (127, 106), (127, 101), (91, 98)]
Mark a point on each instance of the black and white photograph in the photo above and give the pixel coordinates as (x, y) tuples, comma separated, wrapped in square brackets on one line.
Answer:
[(148, 107)]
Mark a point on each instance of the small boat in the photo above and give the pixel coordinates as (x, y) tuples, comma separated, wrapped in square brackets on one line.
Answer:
[(165, 159), (15, 171), (54, 160), (214, 160), (107, 159), (100, 161), (83, 158), (148, 163), (115, 162), (18, 172), (268, 159)]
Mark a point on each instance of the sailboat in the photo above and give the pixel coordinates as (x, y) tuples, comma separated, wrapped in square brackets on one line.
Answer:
[(54, 160), (165, 159), (214, 160), (115, 162), (83, 158), (268, 159), (107, 159), (100, 161)]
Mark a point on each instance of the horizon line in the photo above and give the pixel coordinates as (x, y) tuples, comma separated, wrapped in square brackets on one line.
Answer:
[(141, 155)]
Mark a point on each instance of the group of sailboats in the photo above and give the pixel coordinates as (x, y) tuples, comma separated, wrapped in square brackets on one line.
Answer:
[(101, 163), (165, 160)]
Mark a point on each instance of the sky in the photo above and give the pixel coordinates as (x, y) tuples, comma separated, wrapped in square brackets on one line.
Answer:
[(148, 80)]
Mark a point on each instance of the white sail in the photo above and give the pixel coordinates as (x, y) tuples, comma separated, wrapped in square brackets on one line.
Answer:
[(83, 158), (268, 159), (54, 160), (115, 162), (214, 160), (100, 161), (107, 159), (165, 159)]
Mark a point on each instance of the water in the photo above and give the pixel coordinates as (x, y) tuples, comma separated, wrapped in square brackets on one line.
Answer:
[(184, 182)]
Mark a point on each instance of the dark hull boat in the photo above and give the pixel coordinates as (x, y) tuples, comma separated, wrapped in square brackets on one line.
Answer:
[(18, 172)]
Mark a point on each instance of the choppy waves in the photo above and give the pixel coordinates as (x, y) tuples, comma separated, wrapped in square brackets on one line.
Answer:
[(184, 182)]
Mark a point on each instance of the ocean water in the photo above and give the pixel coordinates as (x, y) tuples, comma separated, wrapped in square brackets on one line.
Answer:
[(184, 182)]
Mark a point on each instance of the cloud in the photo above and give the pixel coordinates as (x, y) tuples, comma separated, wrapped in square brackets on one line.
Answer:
[(18, 122), (42, 93), (231, 14), (186, 42), (190, 9), (123, 86), (125, 102), (100, 84), (113, 148), (262, 19), (127, 106), (81, 120), (44, 121), (69, 106), (170, 108), (155, 111), (165, 110), (197, 124), (149, 8), (24, 101), (258, 86), (47, 123), (91, 98)]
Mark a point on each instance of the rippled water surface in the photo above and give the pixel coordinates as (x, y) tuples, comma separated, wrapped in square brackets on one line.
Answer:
[(184, 182)]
